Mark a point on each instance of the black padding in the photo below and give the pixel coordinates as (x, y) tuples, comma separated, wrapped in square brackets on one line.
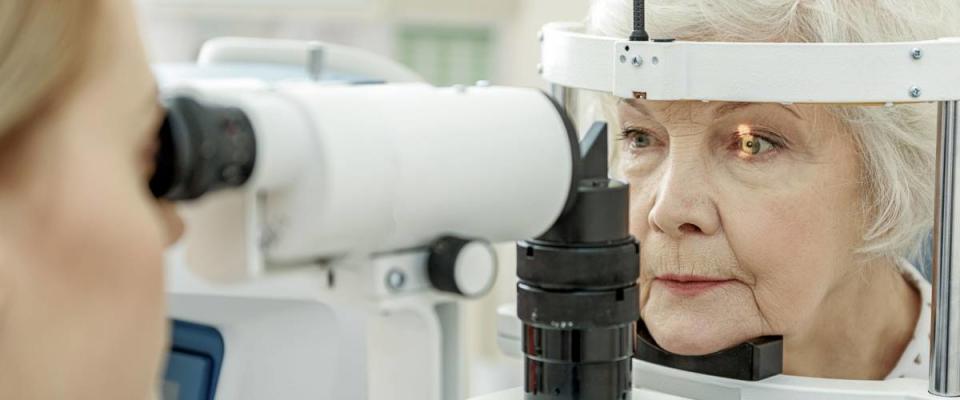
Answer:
[(754, 360)]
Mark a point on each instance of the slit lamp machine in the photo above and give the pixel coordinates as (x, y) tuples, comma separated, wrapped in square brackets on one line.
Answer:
[(340, 211)]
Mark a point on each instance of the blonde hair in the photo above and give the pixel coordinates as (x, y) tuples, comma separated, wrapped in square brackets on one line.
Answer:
[(41, 42), (897, 144)]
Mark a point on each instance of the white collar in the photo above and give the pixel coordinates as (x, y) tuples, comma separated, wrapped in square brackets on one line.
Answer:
[(915, 361)]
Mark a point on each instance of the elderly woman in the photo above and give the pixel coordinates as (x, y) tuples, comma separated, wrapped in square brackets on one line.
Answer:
[(773, 219)]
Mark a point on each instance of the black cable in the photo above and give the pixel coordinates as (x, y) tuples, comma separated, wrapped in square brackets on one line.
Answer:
[(639, 22)]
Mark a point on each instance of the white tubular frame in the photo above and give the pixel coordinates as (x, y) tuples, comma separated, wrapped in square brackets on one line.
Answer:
[(828, 73), (753, 72)]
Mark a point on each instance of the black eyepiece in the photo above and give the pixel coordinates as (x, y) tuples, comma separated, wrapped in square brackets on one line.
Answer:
[(203, 148)]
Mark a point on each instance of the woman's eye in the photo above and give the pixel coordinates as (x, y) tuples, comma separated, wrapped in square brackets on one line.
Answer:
[(637, 140), (751, 145)]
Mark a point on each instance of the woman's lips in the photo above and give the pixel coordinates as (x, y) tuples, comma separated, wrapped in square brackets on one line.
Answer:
[(690, 285)]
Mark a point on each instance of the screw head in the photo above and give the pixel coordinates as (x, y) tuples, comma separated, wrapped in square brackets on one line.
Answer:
[(623, 59), (915, 92), (637, 61), (916, 54), (396, 279)]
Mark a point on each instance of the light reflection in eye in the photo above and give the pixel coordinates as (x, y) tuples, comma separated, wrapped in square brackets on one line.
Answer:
[(751, 145)]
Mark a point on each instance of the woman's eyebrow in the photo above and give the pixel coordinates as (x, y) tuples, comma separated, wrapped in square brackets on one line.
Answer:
[(727, 108)]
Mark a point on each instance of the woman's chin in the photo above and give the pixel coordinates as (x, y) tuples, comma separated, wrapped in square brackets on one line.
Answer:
[(690, 344), (697, 333)]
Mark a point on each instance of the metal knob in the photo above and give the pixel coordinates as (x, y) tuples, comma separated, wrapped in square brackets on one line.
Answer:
[(463, 267)]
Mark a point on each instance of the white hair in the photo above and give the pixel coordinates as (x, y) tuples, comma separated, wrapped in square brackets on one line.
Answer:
[(897, 144)]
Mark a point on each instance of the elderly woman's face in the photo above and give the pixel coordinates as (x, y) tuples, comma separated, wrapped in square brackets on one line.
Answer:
[(747, 215)]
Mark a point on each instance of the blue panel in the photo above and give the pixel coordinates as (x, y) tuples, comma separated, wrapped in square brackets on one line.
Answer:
[(194, 363), (188, 377)]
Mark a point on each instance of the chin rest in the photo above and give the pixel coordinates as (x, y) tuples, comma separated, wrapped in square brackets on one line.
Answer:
[(754, 360)]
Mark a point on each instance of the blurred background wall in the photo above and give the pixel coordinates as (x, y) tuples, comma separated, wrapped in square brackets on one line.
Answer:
[(446, 41)]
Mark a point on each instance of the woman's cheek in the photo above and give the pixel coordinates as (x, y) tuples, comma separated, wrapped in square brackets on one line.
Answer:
[(777, 169), (776, 247), (643, 194)]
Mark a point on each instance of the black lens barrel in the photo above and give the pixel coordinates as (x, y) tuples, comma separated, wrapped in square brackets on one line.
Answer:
[(578, 363), (577, 294)]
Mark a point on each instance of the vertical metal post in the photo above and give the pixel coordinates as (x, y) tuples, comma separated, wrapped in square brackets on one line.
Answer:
[(639, 22), (561, 94), (567, 99), (944, 339)]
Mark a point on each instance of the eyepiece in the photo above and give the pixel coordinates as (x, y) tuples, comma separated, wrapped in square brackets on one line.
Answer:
[(203, 148)]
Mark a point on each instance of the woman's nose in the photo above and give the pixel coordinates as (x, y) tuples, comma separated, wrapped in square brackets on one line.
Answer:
[(684, 204)]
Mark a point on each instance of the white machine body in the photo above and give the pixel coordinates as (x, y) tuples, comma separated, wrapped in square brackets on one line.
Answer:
[(376, 168), (393, 173), (317, 271)]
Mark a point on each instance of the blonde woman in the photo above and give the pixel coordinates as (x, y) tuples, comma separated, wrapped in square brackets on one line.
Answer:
[(81, 240), (772, 219)]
